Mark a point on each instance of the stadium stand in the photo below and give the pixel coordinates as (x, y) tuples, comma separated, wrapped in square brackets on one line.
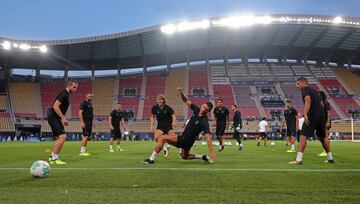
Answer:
[(198, 85), (103, 100), (351, 80), (176, 78), (49, 91), (85, 87), (25, 99), (155, 84), (129, 91)]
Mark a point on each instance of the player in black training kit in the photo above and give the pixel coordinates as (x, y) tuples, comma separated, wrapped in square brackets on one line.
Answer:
[(237, 125), (166, 120), (86, 115), (314, 119), (198, 123), (292, 123), (326, 106), (221, 122), (57, 119), (116, 117)]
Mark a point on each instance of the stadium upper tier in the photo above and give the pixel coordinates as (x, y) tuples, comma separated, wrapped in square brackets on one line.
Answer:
[(299, 37)]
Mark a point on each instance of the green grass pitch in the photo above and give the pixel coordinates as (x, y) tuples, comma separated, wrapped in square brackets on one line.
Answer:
[(254, 175)]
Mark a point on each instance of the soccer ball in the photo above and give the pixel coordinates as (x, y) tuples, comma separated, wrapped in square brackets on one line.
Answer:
[(40, 169)]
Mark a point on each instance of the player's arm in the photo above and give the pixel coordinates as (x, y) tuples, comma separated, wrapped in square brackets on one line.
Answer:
[(81, 118), (173, 120), (57, 110), (183, 97), (283, 121), (307, 108), (110, 125), (297, 122), (210, 146), (152, 121), (123, 124), (227, 121)]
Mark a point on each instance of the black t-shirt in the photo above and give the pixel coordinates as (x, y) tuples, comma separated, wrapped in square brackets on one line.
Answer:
[(196, 124), (64, 98), (221, 114), (163, 115), (116, 117), (290, 117), (315, 107), (87, 109), (237, 120)]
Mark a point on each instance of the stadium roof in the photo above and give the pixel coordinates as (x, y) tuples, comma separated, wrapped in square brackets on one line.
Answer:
[(300, 37)]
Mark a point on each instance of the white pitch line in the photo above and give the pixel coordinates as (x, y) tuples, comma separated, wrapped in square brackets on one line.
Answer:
[(200, 169)]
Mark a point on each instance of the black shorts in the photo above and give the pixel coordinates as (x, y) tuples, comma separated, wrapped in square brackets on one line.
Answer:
[(220, 129), (236, 133), (56, 125), (263, 134), (290, 131), (88, 128), (184, 143), (116, 133), (164, 129), (317, 123)]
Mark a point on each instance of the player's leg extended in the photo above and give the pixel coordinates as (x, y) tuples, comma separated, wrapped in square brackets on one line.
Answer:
[(301, 149), (83, 146), (59, 142), (166, 145), (170, 139), (118, 145), (111, 143), (236, 135), (292, 143), (158, 133), (325, 142)]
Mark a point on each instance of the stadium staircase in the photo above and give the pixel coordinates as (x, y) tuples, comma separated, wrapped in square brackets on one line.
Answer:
[(333, 104), (176, 78), (140, 110), (257, 101)]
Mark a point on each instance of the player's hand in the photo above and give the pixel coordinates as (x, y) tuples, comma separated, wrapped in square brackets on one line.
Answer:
[(111, 128), (179, 89), (82, 124), (64, 121), (306, 120), (173, 125), (328, 125)]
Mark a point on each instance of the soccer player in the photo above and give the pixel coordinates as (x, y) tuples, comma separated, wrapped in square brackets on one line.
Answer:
[(221, 122), (166, 120), (237, 125), (115, 119), (57, 119), (262, 130), (314, 119), (198, 123), (326, 106), (291, 120), (86, 116)]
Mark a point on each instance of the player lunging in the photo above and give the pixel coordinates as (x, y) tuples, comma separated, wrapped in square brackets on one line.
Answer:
[(166, 120), (86, 116), (57, 120), (198, 123), (115, 119)]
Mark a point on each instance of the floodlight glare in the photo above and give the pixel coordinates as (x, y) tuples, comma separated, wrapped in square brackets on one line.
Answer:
[(43, 48), (338, 20), (24, 46), (6, 45)]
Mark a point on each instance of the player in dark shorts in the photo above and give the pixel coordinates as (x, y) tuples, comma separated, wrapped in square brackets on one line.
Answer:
[(263, 126), (292, 124), (314, 119), (116, 119), (326, 105), (198, 123), (166, 120), (221, 122), (57, 120), (237, 125), (86, 115)]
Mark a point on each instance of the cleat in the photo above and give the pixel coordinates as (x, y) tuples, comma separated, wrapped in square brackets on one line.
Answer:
[(119, 150), (296, 162), (84, 154), (322, 154), (329, 161), (57, 161), (207, 159), (241, 147), (147, 161), (258, 144), (111, 150), (50, 158), (166, 154), (291, 150)]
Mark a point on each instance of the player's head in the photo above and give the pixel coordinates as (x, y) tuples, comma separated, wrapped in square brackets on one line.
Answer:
[(72, 86), (302, 82), (206, 107), (234, 108), (160, 99), (220, 102), (322, 95), (288, 103), (89, 96), (118, 106), (264, 118)]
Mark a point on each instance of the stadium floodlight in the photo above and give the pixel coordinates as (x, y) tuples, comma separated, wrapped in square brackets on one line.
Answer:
[(15, 45), (337, 20), (185, 26), (24, 46), (43, 48), (168, 29), (6, 45), (243, 21)]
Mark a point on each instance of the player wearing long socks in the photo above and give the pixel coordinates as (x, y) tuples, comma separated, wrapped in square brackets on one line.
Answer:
[(57, 119), (198, 123), (237, 125)]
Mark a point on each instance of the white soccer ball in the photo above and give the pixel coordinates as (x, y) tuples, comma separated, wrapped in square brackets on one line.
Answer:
[(272, 143), (40, 169)]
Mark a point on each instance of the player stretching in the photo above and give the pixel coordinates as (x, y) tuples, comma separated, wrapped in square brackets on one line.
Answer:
[(57, 119), (237, 125), (86, 118), (221, 122), (314, 119), (116, 117), (262, 130), (166, 120), (198, 123), (291, 120), (326, 106)]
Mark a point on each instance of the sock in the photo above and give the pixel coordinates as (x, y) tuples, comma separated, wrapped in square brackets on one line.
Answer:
[(110, 147), (153, 156), (167, 145), (299, 156), (83, 150), (164, 148), (54, 156), (117, 146), (180, 150), (329, 156), (292, 146), (198, 156)]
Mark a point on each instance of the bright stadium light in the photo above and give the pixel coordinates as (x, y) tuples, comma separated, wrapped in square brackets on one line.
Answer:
[(6, 45), (24, 46), (184, 26), (168, 29), (43, 48), (15, 45), (338, 20)]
